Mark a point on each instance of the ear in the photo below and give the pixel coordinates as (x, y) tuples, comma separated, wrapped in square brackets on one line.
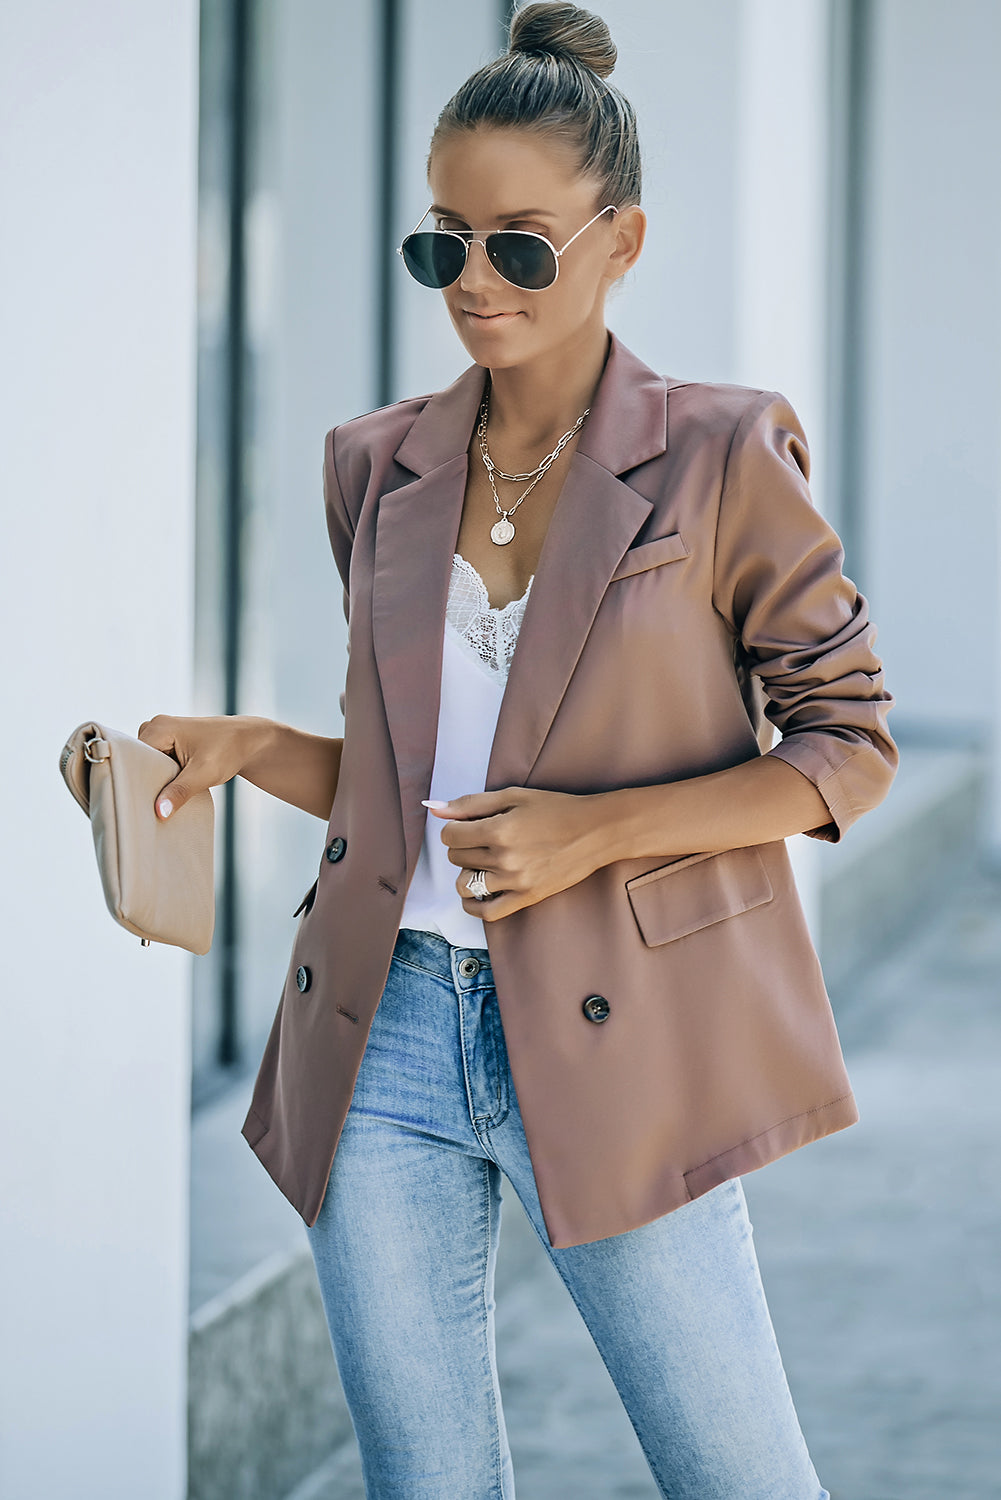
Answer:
[(630, 232)]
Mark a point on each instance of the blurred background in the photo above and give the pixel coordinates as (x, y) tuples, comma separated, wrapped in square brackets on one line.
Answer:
[(200, 209)]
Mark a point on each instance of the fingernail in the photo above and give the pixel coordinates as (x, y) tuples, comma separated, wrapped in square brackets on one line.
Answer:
[(166, 808), (425, 803)]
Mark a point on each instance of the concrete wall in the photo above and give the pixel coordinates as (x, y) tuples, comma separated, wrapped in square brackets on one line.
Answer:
[(98, 115)]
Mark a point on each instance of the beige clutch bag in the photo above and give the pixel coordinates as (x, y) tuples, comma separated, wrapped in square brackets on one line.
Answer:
[(158, 877)]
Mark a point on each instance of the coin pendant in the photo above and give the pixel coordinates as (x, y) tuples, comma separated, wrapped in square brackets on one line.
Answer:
[(502, 531)]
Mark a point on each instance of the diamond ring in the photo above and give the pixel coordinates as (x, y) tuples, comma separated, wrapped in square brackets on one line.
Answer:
[(477, 884)]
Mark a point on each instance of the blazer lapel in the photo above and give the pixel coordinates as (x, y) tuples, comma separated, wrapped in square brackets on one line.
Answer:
[(416, 531), (595, 520)]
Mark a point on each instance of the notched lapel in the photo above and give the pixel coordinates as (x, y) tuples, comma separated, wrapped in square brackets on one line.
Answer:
[(595, 521), (596, 518), (416, 531)]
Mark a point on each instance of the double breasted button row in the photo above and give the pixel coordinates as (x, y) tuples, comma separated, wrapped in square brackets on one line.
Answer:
[(335, 849), (303, 978)]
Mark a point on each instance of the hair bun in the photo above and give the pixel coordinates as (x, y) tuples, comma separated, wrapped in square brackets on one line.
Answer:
[(564, 31)]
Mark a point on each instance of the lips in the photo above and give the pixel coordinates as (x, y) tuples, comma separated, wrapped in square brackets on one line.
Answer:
[(493, 317)]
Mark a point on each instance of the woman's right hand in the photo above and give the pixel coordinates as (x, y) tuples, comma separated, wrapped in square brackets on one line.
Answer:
[(209, 752)]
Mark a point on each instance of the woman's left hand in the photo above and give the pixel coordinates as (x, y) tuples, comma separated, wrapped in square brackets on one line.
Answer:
[(531, 843)]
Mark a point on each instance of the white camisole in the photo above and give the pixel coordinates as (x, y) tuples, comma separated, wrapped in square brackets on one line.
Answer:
[(476, 655)]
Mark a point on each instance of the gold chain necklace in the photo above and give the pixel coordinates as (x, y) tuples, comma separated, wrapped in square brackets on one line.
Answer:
[(503, 530)]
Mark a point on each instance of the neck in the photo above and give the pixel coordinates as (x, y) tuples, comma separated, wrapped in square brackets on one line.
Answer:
[(532, 405)]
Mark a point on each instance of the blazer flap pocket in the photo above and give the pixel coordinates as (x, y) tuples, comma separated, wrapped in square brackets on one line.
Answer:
[(696, 891), (662, 549)]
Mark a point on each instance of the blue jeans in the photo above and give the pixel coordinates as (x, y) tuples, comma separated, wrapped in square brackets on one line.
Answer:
[(406, 1243)]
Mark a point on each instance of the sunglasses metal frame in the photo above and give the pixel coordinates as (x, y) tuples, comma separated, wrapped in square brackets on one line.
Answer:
[(467, 236)]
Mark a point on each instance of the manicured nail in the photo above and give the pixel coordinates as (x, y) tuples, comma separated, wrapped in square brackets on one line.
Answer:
[(425, 803), (166, 808)]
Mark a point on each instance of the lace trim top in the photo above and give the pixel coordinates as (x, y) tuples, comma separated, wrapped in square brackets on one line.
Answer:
[(489, 632), (476, 654)]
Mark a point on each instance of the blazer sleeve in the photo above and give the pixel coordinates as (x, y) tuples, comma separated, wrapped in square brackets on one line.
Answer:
[(803, 626), (339, 527)]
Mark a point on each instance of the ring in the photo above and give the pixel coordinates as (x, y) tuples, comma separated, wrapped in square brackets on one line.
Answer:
[(477, 884)]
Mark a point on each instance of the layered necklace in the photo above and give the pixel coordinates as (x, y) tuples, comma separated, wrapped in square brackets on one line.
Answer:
[(503, 530)]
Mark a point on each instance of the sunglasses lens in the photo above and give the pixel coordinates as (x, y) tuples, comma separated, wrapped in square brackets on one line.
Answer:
[(523, 259), (433, 258)]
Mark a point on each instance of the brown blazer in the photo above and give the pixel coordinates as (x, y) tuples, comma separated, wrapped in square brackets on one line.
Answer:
[(688, 597)]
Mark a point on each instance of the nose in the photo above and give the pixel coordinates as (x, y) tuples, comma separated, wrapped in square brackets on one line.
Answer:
[(477, 271)]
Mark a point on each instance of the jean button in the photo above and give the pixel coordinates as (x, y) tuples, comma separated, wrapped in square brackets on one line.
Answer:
[(468, 967)]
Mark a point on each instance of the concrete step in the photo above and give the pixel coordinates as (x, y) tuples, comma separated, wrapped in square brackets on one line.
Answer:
[(265, 1406), (267, 1419), (893, 864)]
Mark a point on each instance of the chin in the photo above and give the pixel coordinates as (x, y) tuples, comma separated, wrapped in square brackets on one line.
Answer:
[(500, 361), (495, 358), (493, 352)]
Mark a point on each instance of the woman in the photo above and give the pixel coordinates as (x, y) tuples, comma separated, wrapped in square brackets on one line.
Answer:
[(555, 931)]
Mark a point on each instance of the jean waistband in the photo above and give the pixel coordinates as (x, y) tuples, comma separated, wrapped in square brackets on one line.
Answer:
[(434, 952)]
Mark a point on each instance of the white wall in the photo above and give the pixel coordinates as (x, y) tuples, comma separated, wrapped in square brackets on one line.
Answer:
[(732, 109), (98, 115), (934, 368), (677, 64), (441, 43), (782, 228)]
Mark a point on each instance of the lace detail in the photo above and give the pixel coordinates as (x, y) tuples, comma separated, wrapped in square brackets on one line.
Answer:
[(490, 633)]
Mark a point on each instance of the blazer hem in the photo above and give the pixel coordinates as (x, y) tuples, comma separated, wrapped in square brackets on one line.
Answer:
[(276, 1163), (788, 1135)]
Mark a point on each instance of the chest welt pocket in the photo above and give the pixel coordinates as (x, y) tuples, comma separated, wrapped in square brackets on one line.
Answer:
[(663, 549), (697, 891)]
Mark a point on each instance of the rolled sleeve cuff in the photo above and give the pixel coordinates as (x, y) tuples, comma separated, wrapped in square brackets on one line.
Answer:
[(811, 761)]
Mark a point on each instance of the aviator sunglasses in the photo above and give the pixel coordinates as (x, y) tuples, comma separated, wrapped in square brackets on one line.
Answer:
[(437, 257)]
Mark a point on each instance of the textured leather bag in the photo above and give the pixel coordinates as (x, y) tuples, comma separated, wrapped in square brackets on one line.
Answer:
[(158, 877)]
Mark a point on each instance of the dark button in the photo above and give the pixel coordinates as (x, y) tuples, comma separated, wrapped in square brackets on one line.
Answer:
[(468, 967), (596, 1008), (302, 978), (335, 850)]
